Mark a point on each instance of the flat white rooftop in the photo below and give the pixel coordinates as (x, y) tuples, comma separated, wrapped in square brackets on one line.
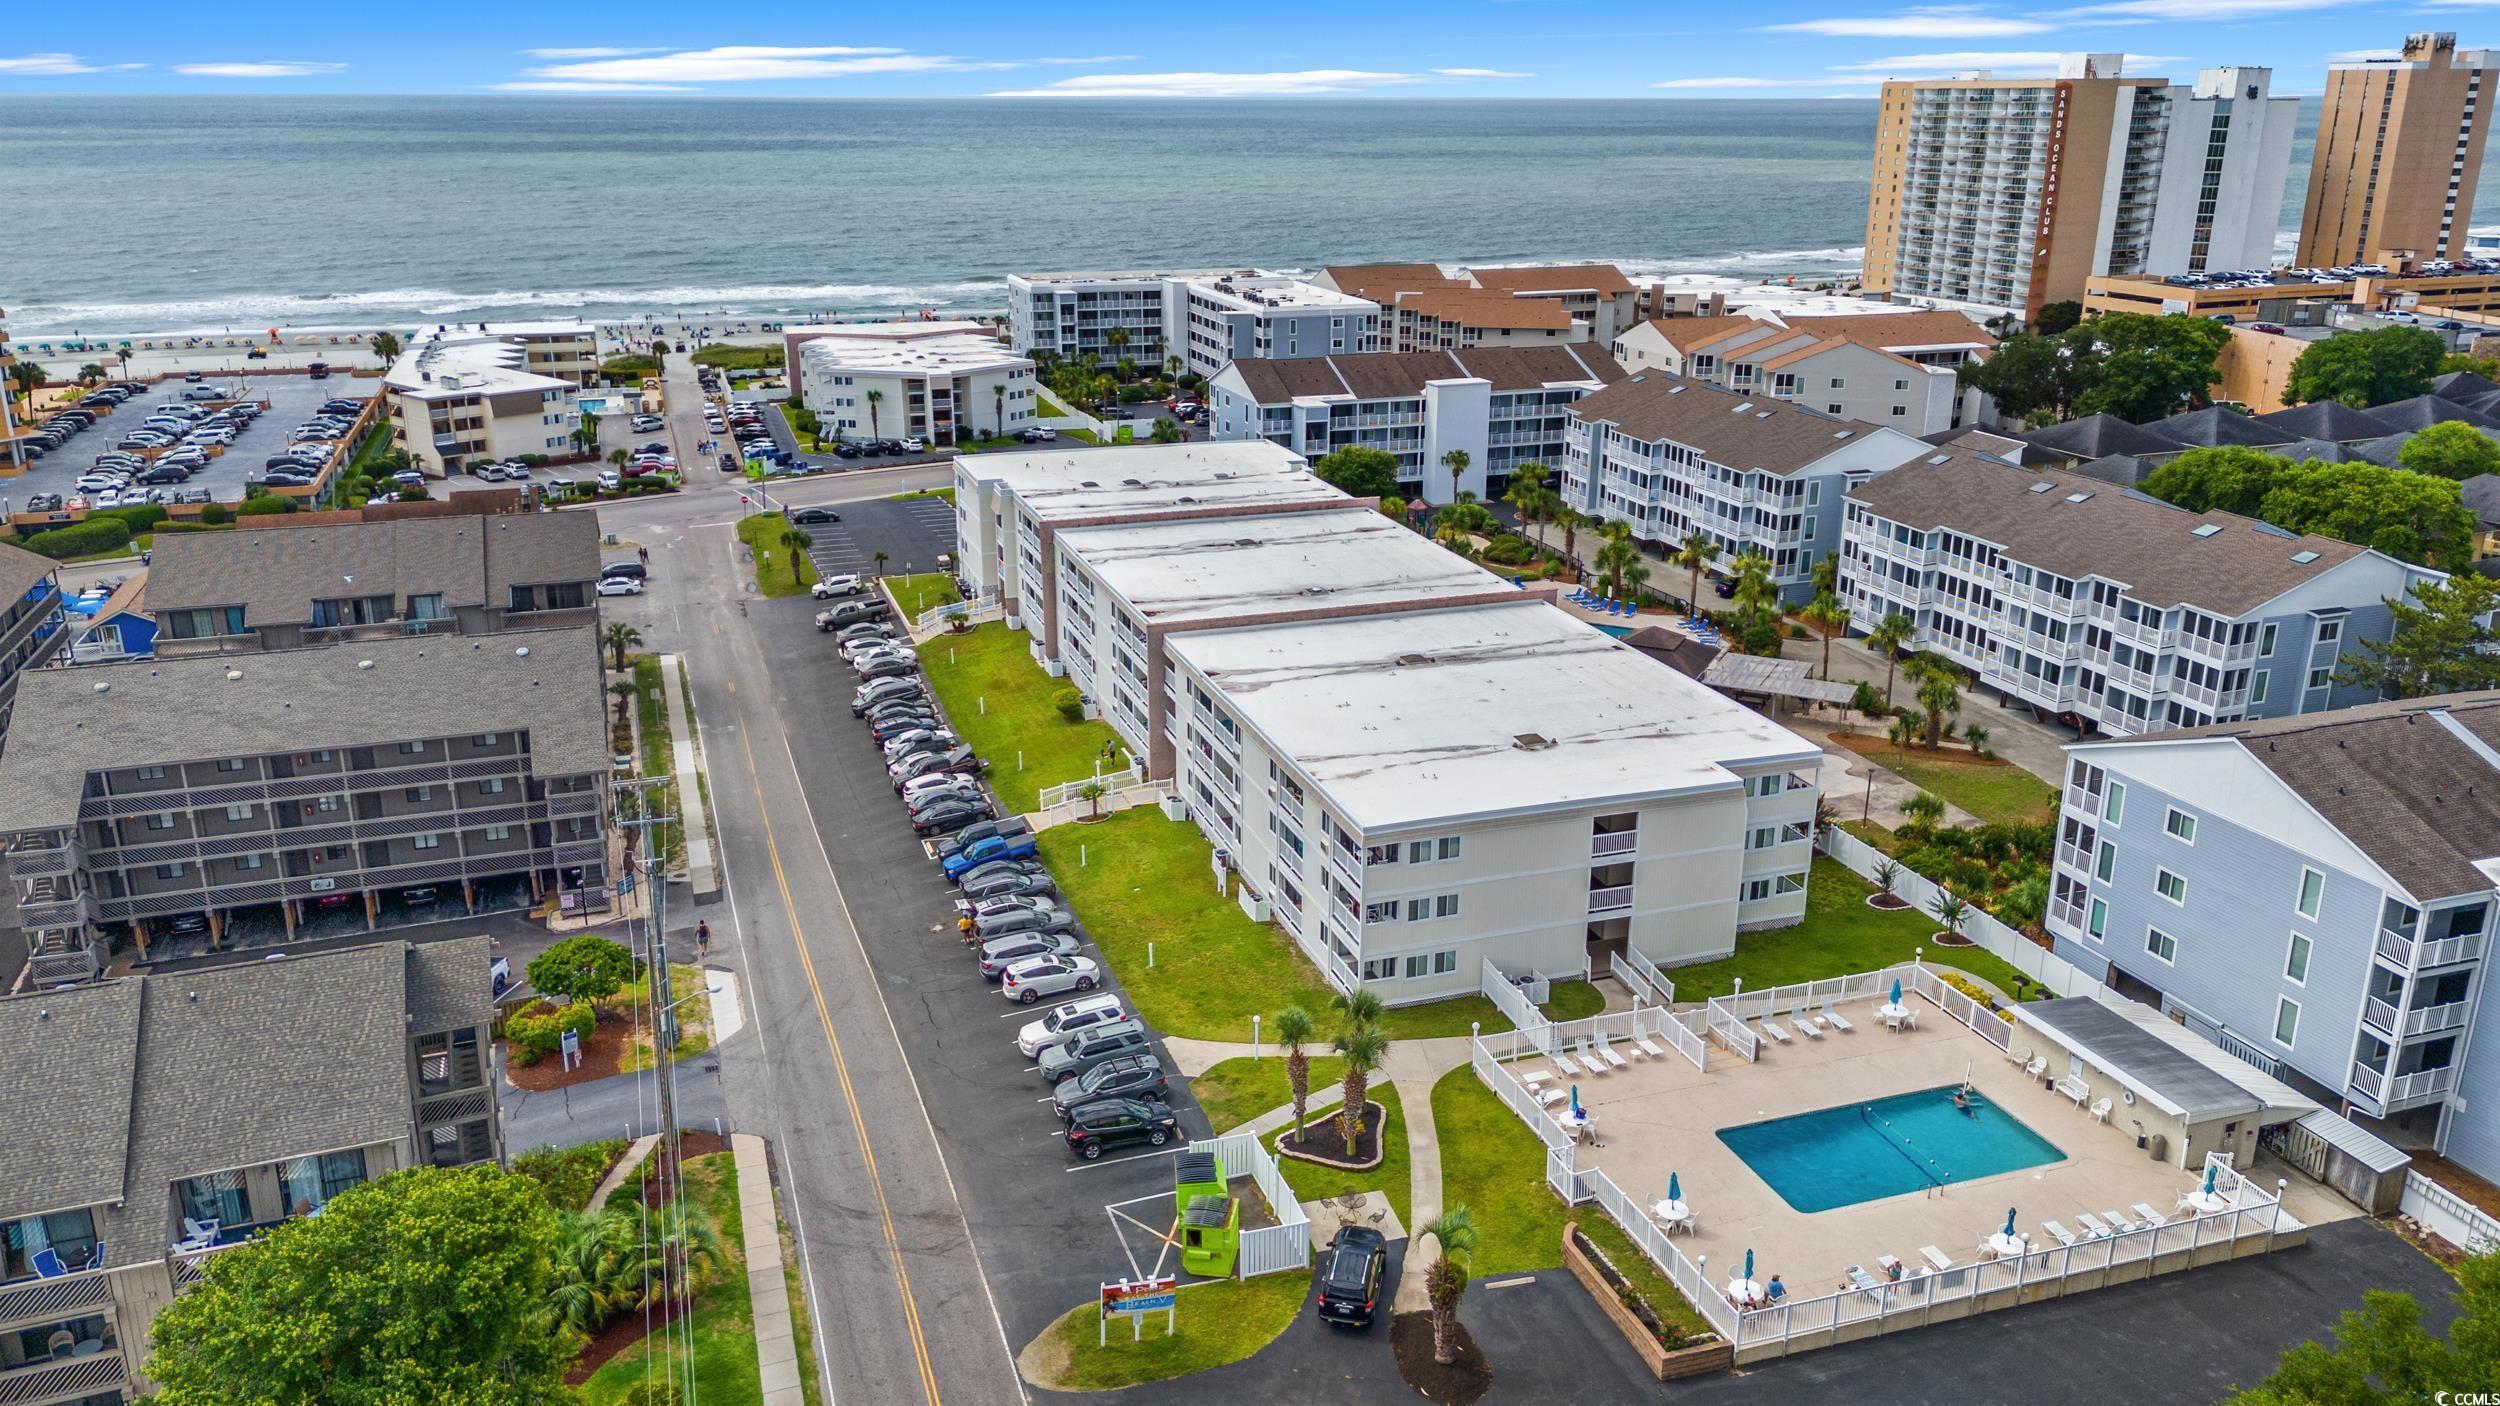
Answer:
[(902, 347), (1056, 485), (444, 365), (1274, 291), (541, 329), (1128, 276), (1480, 712), (1231, 567)]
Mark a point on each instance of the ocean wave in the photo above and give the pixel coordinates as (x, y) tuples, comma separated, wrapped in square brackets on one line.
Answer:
[(247, 310)]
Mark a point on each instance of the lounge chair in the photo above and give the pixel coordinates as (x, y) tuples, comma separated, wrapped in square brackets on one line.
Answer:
[(1776, 1031), (1806, 1024), (1565, 1063), (2092, 1227), (2100, 1110), (2117, 1222), (1648, 1047), (2148, 1215), (1536, 1076), (1890, 1264), (1550, 1097), (1606, 1051), (1590, 1060), (1837, 1021), (1865, 1283), (2064, 1236), (1936, 1257)]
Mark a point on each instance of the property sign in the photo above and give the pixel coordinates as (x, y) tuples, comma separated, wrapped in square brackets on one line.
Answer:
[(570, 1050), (1140, 1296)]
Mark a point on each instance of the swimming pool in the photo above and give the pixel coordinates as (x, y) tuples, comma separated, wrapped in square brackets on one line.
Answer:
[(1618, 631), (1868, 1151)]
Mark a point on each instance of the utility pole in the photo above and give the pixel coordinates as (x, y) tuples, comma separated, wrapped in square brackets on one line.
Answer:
[(643, 831)]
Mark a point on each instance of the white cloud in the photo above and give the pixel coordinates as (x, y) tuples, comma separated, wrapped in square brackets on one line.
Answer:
[(56, 65), (588, 53), (258, 68), (559, 86), (1994, 60), (1728, 82), (2362, 55), (1920, 22), (744, 64), (2172, 11), (1311, 82)]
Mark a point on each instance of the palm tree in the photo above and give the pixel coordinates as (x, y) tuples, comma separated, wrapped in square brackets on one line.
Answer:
[(882, 559), (1116, 339), (873, 398), (1526, 481), (1363, 1047), (1950, 911), (1887, 873), (1093, 791), (1828, 617), (1942, 701), (123, 356), (998, 399), (1618, 558), (1453, 1234), (619, 457), (1923, 810), (619, 637), (586, 434), (1888, 636), (1904, 729), (385, 346), (91, 375), (796, 544), (623, 693), (27, 376), (1977, 737), (1697, 552), (1293, 1031), (1456, 462), (583, 1294), (1570, 520)]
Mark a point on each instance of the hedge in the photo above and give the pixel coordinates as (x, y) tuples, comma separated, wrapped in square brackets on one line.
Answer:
[(81, 539), (534, 1037), (264, 505), (140, 516)]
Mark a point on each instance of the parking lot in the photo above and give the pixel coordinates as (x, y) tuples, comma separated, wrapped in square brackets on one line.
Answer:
[(913, 533), (292, 400)]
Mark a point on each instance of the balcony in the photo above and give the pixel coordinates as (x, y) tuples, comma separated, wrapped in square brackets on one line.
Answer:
[(1620, 842), (2413, 954), (65, 1378), (2421, 1020), (60, 1297), (1615, 899)]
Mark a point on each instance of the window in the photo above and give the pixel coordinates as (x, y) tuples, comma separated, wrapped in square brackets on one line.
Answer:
[(2179, 825), (2170, 886), (230, 764), (326, 803), (2296, 961), (1419, 852), (2312, 891), (2257, 684), (219, 1196), (487, 739), (321, 758), (418, 795), (2286, 1021), (248, 861), (2265, 641), (2100, 919), (491, 786), (2320, 678), (2161, 944), (1380, 969), (410, 749), (161, 822), (1419, 964), (241, 812), (2117, 802), (2331, 631), (499, 832), (169, 871), (1449, 847), (306, 1183), (2105, 863), (426, 841), (151, 773)]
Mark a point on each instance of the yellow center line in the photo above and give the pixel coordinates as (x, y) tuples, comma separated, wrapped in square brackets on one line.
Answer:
[(842, 1071)]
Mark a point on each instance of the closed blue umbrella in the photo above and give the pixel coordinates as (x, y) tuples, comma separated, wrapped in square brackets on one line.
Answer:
[(2009, 1222), (2211, 1171), (1749, 1266), (1896, 991), (1575, 1100), (1675, 1189)]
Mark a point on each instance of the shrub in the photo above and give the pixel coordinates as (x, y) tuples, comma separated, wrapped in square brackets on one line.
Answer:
[(1070, 703), (81, 539), (586, 967), (532, 1038), (140, 516), (1760, 639), (215, 515), (1509, 551), (534, 461), (1136, 395), (1973, 990), (265, 505)]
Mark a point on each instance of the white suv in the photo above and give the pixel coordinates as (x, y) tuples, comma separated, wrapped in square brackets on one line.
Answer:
[(1065, 1021), (831, 586)]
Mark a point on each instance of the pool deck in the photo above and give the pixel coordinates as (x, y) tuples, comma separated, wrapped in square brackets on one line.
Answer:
[(1660, 1116)]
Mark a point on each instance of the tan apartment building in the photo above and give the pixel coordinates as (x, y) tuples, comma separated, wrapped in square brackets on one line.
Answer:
[(457, 399), (157, 1120), (1896, 369), (2008, 193), (1424, 309), (2399, 148)]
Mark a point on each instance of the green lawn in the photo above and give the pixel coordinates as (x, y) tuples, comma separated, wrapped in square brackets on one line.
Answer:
[(1573, 1000), (947, 493), (746, 358), (923, 591), (2003, 795), (1238, 1090), (773, 562), (1495, 1167), (1081, 436), (659, 753), (1220, 1321), (1394, 1177), (1048, 408), (1000, 703), (724, 1327), (1840, 936)]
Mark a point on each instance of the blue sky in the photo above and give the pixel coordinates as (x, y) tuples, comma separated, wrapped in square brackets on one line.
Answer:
[(1119, 48)]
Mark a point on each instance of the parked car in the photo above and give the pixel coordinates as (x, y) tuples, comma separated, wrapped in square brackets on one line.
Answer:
[(1011, 884), (915, 741), (1351, 1269), (1038, 434), (969, 911), (1138, 1076), (982, 851), (876, 691), (1035, 977), (887, 666), (912, 715), (1051, 920), (1087, 1048), (1011, 826), (948, 815), (827, 587), (619, 586), (943, 783), (1098, 1127), (849, 613), (1001, 953), (987, 870), (1064, 1022), (864, 630), (956, 759), (804, 516)]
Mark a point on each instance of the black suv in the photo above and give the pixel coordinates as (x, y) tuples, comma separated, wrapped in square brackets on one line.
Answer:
[(1349, 1277), (1117, 1122)]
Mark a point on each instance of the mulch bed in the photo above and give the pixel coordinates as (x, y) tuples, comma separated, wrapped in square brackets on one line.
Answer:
[(691, 1143), (1320, 1142), (1454, 1384), (603, 1054), (627, 1329), (1887, 902), (1951, 939)]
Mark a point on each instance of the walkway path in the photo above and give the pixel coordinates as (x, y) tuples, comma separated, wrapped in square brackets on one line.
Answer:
[(768, 1291), (701, 874), (1414, 1069), (626, 1166)]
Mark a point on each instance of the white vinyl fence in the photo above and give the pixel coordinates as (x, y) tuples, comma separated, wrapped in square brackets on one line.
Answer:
[(1514, 1004), (1641, 975), (1274, 1248), (2448, 1215), (1681, 1030), (2044, 967)]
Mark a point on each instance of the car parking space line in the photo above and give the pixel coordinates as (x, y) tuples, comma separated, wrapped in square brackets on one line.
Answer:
[(1164, 1151)]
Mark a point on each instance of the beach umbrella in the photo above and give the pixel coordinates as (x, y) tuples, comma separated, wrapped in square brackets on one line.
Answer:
[(1896, 991), (1675, 1189), (1748, 1266), (2211, 1170), (1575, 1100), (2009, 1222)]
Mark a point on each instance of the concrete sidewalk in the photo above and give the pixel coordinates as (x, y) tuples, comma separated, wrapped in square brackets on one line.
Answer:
[(768, 1295), (702, 874)]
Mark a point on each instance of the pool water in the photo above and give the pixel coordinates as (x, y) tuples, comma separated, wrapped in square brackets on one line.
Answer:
[(1618, 631), (1868, 1151)]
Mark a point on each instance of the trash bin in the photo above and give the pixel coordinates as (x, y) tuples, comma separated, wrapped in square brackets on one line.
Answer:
[(2158, 1147)]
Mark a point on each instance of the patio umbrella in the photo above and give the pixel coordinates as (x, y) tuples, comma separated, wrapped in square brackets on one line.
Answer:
[(1675, 1189), (1575, 1107), (1896, 991), (2210, 1171), (2009, 1222), (1749, 1266)]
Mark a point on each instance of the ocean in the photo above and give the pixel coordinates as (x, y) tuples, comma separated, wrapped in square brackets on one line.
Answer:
[(179, 213)]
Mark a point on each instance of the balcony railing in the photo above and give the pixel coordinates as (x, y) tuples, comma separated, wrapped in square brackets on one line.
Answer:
[(1620, 842), (1614, 899), (59, 1297), (2421, 1020), (63, 1379), (2411, 953)]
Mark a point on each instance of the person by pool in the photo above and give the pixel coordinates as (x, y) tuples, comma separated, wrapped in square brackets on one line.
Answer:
[(1775, 1290)]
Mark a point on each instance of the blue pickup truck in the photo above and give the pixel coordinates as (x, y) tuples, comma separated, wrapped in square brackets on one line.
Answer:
[(982, 851)]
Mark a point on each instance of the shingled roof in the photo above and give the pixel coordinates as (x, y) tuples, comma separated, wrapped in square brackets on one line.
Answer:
[(2161, 553), (2096, 435), (468, 560), (1391, 375), (2328, 419), (2214, 426), (1739, 431), (1553, 278)]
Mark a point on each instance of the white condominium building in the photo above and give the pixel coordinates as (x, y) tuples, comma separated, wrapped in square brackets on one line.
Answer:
[(1501, 406), (565, 349), (458, 398), (1122, 591), (1673, 457), (1010, 508), (1211, 322), (1073, 315), (2106, 608), (2008, 193), (1412, 794), (945, 382), (1897, 369)]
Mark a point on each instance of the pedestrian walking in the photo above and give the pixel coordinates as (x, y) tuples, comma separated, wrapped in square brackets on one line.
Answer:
[(702, 940), (646, 555)]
